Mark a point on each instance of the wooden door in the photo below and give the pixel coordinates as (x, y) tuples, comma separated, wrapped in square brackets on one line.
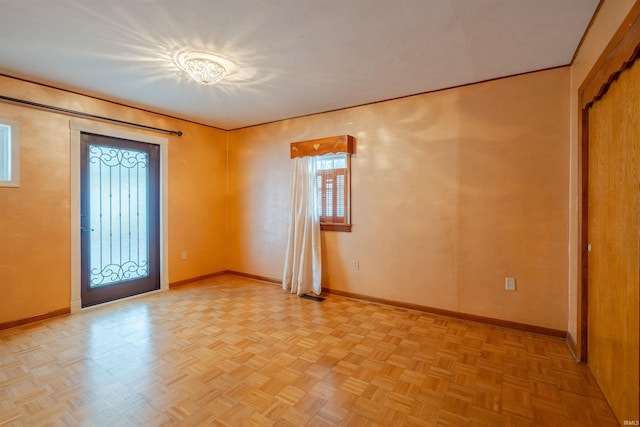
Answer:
[(614, 242)]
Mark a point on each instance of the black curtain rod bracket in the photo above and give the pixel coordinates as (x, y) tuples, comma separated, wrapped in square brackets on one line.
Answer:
[(87, 115)]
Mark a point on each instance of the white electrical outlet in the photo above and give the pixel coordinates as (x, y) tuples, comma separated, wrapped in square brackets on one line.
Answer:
[(356, 264), (183, 255), (509, 284)]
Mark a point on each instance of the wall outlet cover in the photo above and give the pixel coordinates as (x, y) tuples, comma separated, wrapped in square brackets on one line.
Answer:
[(510, 283)]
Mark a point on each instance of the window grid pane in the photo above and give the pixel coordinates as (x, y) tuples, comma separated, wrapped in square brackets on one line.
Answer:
[(329, 196), (340, 196), (332, 188), (319, 182), (5, 153)]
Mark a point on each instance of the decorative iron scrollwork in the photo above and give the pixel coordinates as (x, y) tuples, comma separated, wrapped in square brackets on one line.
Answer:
[(113, 273), (118, 180), (113, 157)]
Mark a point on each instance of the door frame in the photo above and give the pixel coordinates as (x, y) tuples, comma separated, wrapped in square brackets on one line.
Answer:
[(619, 54), (76, 127)]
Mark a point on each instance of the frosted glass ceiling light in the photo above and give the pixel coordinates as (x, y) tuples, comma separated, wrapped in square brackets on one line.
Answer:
[(204, 68)]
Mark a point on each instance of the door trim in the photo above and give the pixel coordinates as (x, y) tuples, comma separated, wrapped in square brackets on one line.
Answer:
[(76, 127), (619, 54)]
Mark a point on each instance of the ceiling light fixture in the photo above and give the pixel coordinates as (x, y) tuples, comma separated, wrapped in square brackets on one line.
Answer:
[(205, 68)]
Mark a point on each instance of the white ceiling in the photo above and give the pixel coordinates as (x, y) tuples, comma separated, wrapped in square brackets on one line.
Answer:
[(295, 57)]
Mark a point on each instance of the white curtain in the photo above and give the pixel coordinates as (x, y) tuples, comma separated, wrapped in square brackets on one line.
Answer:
[(303, 264)]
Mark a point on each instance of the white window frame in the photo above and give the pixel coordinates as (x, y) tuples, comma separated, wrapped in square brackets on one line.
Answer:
[(77, 126), (12, 159)]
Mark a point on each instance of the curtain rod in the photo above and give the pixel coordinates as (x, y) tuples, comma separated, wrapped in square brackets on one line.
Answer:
[(91, 116)]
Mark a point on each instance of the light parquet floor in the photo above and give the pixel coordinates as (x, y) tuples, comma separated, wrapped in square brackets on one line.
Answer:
[(236, 352)]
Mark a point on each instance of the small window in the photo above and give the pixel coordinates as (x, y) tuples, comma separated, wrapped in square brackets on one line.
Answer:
[(333, 191), (9, 153)]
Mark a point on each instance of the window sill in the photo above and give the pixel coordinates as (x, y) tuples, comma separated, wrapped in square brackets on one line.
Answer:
[(336, 227)]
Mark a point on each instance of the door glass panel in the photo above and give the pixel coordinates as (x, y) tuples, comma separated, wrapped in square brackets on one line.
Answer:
[(118, 182)]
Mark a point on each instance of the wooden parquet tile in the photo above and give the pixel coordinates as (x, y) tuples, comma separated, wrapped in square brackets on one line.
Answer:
[(230, 351)]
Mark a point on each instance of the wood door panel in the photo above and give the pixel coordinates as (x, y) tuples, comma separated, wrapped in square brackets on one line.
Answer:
[(614, 260)]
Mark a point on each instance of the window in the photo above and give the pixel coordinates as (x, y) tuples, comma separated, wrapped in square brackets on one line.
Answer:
[(9, 153), (333, 178), (333, 191)]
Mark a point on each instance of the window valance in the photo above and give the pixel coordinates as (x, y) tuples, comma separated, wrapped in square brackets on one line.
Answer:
[(322, 146)]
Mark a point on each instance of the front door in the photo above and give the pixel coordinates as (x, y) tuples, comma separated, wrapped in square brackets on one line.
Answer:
[(120, 218)]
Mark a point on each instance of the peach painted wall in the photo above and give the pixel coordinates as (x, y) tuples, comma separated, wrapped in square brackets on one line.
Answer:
[(606, 23), (35, 218), (451, 192)]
